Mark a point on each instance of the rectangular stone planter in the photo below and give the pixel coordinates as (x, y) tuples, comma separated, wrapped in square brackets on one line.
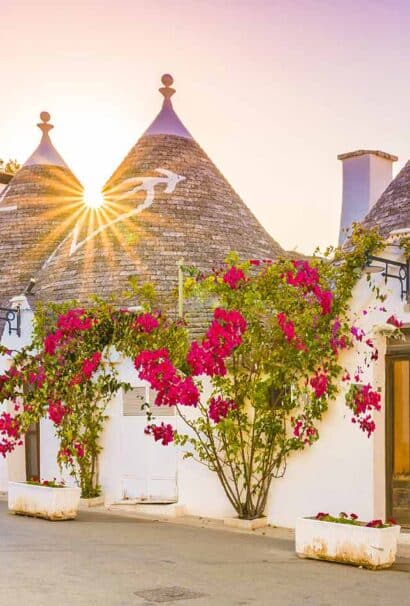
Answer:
[(346, 543), (91, 502), (43, 501), (246, 524)]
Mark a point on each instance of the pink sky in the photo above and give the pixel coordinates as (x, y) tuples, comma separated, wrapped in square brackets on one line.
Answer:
[(272, 90)]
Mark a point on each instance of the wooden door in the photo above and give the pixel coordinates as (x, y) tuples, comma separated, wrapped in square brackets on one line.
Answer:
[(398, 437), (148, 469)]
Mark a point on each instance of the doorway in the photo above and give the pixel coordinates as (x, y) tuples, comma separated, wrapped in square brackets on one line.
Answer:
[(148, 469), (32, 446), (398, 435)]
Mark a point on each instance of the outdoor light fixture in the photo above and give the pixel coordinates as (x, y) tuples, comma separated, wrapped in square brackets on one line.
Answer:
[(386, 267), (13, 319)]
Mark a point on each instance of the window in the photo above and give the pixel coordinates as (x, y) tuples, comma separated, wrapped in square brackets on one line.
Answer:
[(133, 403)]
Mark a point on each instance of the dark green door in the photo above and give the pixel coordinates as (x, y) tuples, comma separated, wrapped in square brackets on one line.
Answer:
[(32, 441)]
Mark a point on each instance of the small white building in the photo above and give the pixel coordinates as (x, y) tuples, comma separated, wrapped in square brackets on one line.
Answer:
[(182, 207)]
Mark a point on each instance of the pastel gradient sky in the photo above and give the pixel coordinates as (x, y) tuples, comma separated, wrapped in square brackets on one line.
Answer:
[(272, 90)]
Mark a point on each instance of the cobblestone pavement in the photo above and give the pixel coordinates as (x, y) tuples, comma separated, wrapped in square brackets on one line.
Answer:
[(107, 560)]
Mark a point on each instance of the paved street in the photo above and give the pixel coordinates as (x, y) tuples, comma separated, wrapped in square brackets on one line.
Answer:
[(106, 560)]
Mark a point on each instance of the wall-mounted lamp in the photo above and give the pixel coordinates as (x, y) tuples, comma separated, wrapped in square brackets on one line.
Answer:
[(13, 319), (386, 267)]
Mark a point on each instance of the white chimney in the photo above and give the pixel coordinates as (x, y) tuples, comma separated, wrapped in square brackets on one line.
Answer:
[(366, 174)]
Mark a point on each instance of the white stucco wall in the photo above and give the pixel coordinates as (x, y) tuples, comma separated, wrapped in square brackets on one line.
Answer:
[(344, 470), (14, 466)]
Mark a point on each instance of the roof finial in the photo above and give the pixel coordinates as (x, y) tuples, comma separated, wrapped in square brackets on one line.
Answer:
[(43, 125), (166, 90), (45, 153)]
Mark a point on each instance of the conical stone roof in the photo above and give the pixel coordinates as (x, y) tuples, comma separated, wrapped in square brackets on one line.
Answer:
[(392, 210), (37, 208), (166, 201)]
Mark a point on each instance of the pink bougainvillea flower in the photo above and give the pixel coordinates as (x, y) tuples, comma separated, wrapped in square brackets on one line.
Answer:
[(74, 320), (325, 299), (321, 515), (219, 408), (163, 433), (205, 361), (303, 430), (354, 516), (77, 379), (287, 327), (394, 321), (66, 455), (233, 277), (56, 411), (79, 449), (188, 392), (297, 428), (358, 333), (365, 400), (222, 337), (90, 365), (374, 524), (375, 355), (255, 262), (37, 378), (305, 276), (52, 341), (156, 368), (10, 431), (319, 383), (146, 322), (9, 425), (300, 345)]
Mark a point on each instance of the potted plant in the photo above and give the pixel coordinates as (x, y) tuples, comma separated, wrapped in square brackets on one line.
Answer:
[(46, 499), (347, 540)]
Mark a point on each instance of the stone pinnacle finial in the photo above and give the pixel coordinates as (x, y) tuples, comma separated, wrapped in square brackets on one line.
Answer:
[(43, 125), (166, 90)]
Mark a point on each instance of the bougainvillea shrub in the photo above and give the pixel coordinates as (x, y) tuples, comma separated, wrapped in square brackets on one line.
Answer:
[(271, 353), (66, 376)]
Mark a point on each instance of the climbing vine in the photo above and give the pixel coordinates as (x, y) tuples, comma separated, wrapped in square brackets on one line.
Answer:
[(271, 355)]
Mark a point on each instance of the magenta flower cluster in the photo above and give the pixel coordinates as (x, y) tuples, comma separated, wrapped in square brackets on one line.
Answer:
[(223, 336), (365, 401), (219, 408)]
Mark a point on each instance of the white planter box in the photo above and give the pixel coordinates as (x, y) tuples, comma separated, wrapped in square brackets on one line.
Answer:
[(91, 502), (346, 543), (246, 524), (43, 501)]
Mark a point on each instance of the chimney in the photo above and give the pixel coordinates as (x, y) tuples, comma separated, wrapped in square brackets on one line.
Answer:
[(366, 174)]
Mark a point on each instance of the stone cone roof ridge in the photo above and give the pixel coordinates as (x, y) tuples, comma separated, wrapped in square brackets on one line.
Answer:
[(392, 210), (36, 208), (166, 201)]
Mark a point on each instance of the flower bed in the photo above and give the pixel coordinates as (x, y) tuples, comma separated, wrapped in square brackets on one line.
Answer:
[(372, 545), (43, 501)]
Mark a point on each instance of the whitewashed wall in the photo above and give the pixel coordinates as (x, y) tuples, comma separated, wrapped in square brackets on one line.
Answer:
[(344, 471), (14, 466)]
